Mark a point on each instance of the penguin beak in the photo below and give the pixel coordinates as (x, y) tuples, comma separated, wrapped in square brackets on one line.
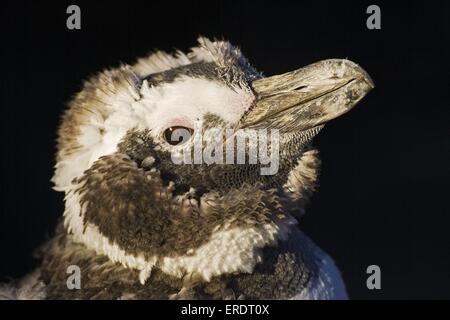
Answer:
[(308, 97)]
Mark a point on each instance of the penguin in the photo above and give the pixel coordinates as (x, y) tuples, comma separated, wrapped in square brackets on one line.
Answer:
[(139, 225)]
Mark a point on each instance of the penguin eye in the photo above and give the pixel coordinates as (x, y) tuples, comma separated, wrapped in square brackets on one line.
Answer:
[(177, 135)]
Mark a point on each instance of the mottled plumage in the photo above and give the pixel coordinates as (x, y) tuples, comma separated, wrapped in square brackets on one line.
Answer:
[(140, 226)]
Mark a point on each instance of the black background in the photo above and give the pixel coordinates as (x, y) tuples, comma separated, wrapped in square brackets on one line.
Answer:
[(384, 182)]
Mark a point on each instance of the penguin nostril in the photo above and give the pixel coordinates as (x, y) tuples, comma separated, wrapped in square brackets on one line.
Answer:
[(300, 88)]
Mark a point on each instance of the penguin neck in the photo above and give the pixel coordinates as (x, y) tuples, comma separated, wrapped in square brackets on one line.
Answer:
[(217, 235), (233, 246)]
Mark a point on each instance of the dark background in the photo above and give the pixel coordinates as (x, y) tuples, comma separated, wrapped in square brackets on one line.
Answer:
[(384, 182)]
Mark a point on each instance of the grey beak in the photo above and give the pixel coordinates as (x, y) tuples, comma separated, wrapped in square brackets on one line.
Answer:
[(307, 97)]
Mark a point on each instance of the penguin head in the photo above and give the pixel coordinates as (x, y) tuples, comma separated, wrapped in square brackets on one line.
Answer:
[(139, 154)]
